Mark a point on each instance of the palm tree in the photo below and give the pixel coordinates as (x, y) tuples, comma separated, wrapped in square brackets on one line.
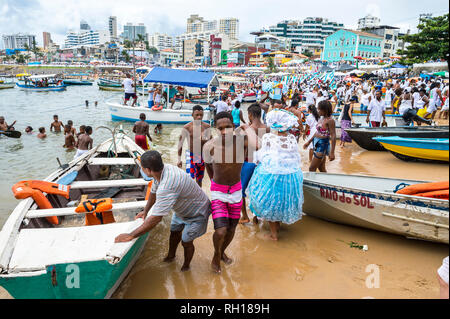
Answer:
[(140, 39)]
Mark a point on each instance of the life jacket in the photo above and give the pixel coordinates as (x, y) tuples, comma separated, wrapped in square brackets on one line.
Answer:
[(35, 190), (149, 188), (98, 211)]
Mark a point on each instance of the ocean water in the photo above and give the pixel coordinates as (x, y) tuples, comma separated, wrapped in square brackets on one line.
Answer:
[(32, 158)]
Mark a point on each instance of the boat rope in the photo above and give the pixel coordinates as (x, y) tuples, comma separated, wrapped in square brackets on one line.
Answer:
[(400, 187)]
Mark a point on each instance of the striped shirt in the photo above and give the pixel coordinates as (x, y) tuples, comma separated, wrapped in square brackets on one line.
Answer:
[(177, 191)]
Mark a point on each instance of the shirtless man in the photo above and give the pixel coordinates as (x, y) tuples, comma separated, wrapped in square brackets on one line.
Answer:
[(199, 131), (4, 126), (42, 134), (82, 131), (69, 138), (57, 124), (141, 129), (73, 130), (224, 156), (254, 131), (84, 143)]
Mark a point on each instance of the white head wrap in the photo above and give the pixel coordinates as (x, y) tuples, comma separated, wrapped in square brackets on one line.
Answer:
[(281, 120)]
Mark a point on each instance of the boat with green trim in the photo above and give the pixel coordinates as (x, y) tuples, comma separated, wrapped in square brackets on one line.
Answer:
[(72, 260)]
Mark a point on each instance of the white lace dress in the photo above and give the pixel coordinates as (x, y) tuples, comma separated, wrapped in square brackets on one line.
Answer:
[(276, 187)]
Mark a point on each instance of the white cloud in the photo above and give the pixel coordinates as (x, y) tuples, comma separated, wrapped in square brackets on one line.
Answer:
[(169, 16)]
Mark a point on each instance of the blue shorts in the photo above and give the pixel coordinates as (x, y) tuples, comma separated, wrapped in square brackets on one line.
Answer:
[(246, 174), (363, 107), (128, 95), (151, 103), (321, 146), (191, 229)]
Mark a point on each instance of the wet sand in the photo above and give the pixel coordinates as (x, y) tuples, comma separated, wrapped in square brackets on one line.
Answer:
[(308, 261)]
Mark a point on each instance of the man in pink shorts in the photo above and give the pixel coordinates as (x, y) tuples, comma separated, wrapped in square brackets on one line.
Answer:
[(224, 157)]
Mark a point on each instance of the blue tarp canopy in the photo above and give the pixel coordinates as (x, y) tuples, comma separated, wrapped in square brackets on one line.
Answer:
[(182, 77), (398, 66)]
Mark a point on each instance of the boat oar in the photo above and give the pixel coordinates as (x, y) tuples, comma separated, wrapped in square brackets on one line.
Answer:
[(63, 167), (12, 134)]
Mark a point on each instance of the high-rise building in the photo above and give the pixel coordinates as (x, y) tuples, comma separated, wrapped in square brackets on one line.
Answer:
[(198, 24), (18, 41), (86, 38), (112, 24), (84, 25), (46, 39), (161, 41), (368, 21), (131, 32), (306, 35), (230, 27)]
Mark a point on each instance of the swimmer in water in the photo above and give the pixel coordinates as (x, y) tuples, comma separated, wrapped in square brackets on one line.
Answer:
[(42, 134), (56, 124), (69, 138)]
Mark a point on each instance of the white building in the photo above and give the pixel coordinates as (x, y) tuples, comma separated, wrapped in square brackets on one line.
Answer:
[(391, 41), (86, 38), (161, 41), (18, 41), (195, 23), (112, 24), (368, 21), (306, 35), (230, 27)]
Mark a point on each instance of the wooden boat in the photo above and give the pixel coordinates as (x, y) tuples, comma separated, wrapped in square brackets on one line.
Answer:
[(71, 260), (36, 83), (371, 202), (6, 82), (78, 82), (364, 136), (180, 114), (360, 119), (416, 149), (110, 88)]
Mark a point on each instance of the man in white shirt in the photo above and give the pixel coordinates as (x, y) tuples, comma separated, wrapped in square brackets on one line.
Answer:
[(221, 106), (377, 110), (128, 85)]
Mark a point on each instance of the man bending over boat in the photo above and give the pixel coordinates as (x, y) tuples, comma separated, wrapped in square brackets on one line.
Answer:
[(141, 129), (175, 190)]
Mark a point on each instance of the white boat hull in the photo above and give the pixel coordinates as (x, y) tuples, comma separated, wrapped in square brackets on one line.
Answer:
[(409, 216), (166, 116)]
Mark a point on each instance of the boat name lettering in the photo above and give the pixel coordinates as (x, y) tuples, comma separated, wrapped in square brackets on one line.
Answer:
[(356, 200)]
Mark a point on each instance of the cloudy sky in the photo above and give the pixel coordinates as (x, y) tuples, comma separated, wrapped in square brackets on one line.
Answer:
[(169, 16)]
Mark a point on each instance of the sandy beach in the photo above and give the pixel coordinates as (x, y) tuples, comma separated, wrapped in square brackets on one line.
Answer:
[(309, 261)]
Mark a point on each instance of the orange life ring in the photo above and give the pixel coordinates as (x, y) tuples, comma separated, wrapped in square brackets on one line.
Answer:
[(158, 107), (35, 190)]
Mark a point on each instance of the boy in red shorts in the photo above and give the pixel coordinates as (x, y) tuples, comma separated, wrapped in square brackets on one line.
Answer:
[(141, 129)]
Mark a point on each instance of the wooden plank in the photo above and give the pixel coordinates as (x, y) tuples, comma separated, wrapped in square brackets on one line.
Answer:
[(112, 161), (109, 183), (71, 210)]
